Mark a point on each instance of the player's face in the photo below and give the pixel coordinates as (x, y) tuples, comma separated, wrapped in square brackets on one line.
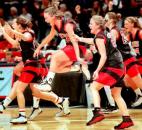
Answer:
[(128, 25), (48, 18), (93, 26)]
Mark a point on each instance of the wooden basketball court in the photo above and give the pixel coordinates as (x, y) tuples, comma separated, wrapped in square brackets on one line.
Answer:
[(75, 121)]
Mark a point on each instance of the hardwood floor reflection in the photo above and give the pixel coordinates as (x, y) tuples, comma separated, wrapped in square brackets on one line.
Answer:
[(76, 121)]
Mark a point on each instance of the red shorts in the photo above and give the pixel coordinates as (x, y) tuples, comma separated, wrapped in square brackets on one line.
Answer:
[(131, 67), (33, 73), (110, 76), (70, 52)]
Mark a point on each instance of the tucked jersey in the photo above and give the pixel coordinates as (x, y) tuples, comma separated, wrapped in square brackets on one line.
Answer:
[(114, 57)]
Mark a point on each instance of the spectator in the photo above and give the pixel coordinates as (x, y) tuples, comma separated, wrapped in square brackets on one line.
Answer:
[(13, 14), (62, 7), (97, 8), (9, 57), (82, 17), (25, 13)]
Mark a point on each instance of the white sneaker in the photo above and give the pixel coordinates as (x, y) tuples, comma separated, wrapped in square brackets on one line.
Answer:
[(138, 102), (35, 112), (19, 120), (86, 71), (1, 108), (44, 86), (64, 106)]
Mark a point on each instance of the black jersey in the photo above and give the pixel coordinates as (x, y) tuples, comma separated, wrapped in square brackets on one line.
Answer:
[(123, 45), (137, 39), (28, 48), (61, 31), (114, 57)]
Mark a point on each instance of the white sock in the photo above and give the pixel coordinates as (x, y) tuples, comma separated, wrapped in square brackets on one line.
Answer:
[(138, 92), (36, 102), (109, 96), (59, 100), (22, 112), (7, 101), (50, 77)]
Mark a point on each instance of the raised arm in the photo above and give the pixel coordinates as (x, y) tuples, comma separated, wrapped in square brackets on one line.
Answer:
[(13, 33), (14, 43)]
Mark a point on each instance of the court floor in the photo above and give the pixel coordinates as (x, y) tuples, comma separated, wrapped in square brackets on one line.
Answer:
[(75, 121)]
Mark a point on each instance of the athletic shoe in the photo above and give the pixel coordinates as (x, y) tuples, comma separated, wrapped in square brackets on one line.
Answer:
[(110, 109), (1, 107), (35, 112), (44, 86), (64, 107), (138, 101), (19, 120), (127, 122), (97, 117)]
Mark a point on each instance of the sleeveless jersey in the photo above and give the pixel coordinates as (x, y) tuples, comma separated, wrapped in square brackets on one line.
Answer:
[(137, 39), (61, 30), (28, 48), (123, 45), (114, 57)]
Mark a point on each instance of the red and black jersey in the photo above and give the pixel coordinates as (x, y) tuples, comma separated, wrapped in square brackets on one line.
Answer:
[(137, 38), (62, 33), (114, 57), (28, 48), (123, 45), (34, 68)]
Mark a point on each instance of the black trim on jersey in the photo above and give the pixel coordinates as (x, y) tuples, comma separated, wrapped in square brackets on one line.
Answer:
[(120, 83), (113, 74), (32, 64), (100, 35), (130, 65), (128, 57), (31, 72), (35, 64), (136, 37)]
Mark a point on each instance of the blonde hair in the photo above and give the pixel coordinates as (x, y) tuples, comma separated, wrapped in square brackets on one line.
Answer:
[(98, 20), (24, 22), (53, 11), (111, 15), (133, 20)]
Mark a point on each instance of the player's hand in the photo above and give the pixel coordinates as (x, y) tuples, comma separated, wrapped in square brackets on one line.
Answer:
[(95, 75), (81, 61), (36, 53)]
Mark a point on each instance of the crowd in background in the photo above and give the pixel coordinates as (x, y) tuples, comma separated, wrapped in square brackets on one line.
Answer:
[(80, 10)]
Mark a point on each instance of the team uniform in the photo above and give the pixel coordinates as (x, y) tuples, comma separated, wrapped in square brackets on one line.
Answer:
[(127, 53), (138, 47), (34, 68), (111, 74), (113, 71), (69, 49)]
